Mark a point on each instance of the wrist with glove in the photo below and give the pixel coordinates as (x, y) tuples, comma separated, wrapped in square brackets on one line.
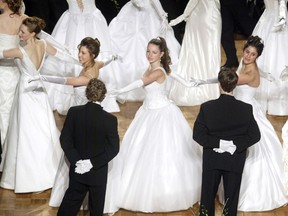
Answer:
[(83, 166), (226, 146)]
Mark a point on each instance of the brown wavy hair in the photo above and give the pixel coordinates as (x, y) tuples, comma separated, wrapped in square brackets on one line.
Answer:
[(93, 45), (165, 59), (14, 5), (255, 41), (95, 90), (34, 24)]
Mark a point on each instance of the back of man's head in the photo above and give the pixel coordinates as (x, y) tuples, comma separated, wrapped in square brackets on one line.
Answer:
[(228, 79), (95, 90)]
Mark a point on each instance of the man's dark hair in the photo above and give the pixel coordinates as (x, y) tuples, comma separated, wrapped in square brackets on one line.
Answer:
[(228, 79)]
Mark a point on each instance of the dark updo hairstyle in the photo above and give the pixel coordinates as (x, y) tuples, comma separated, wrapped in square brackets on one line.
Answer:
[(256, 42), (14, 5), (93, 46), (228, 79), (34, 24), (95, 90), (165, 59)]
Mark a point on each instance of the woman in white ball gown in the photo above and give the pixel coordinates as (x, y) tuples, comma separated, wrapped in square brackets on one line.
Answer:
[(137, 22), (200, 54), (10, 20), (285, 146), (158, 168), (82, 19), (33, 148), (263, 179), (273, 29)]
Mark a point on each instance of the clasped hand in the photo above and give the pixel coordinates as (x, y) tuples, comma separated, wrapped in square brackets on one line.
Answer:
[(197, 82), (226, 146), (83, 166)]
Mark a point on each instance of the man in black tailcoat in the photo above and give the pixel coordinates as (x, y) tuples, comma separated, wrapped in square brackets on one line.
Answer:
[(225, 127), (89, 139)]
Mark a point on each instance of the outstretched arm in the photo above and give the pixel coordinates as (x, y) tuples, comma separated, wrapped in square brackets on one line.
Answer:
[(62, 55), (11, 53), (188, 10), (181, 80)]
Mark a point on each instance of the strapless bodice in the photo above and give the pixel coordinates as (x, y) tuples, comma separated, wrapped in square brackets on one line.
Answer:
[(245, 93), (8, 41)]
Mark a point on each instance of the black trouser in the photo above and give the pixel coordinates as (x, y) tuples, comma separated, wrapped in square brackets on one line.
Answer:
[(234, 12), (210, 182), (75, 195)]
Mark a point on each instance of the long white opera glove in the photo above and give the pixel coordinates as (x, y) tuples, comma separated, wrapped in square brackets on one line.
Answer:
[(198, 82), (284, 74), (226, 146), (51, 40), (136, 84), (66, 57), (187, 12), (182, 80), (282, 14), (162, 14), (51, 79)]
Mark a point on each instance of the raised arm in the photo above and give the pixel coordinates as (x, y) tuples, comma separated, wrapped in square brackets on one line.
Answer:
[(64, 56), (187, 12), (162, 14)]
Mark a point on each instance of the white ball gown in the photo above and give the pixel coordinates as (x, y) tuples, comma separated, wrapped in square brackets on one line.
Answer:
[(262, 186), (158, 168), (200, 54), (130, 32), (285, 146), (82, 19), (272, 96), (9, 76), (33, 148), (159, 165)]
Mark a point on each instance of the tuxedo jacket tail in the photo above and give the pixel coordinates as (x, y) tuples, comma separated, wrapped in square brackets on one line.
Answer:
[(89, 132), (228, 119)]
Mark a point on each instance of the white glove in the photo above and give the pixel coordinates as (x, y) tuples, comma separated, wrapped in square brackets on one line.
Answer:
[(79, 168), (267, 76), (162, 14), (181, 80), (187, 12), (199, 82), (226, 146), (281, 16), (164, 26), (284, 74), (112, 58), (51, 79), (136, 84), (83, 166), (177, 20)]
